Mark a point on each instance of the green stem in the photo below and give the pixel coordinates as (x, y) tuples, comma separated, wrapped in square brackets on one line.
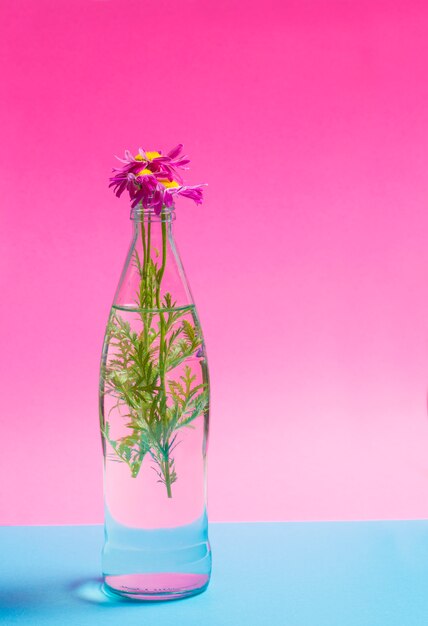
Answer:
[(143, 238), (143, 287), (162, 352), (162, 346), (167, 480), (162, 269), (147, 303), (149, 235)]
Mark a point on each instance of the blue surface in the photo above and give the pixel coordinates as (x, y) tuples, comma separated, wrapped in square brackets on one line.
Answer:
[(292, 574)]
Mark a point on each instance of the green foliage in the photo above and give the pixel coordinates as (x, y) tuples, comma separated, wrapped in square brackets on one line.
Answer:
[(139, 375)]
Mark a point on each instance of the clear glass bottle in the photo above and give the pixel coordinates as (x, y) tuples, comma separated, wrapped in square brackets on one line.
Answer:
[(154, 413)]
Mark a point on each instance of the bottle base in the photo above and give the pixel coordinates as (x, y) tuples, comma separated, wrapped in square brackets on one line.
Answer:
[(156, 586)]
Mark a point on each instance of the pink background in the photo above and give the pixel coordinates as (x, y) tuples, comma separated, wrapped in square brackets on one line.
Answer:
[(308, 260)]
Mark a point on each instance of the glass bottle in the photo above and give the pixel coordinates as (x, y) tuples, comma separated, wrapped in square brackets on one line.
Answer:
[(154, 413)]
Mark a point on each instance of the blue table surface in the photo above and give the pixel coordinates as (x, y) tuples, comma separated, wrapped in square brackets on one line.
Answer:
[(292, 574)]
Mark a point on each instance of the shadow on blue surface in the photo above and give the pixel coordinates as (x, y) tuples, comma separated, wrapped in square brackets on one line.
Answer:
[(309, 574), (91, 590)]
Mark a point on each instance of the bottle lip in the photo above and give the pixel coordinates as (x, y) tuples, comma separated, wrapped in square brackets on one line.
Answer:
[(141, 214)]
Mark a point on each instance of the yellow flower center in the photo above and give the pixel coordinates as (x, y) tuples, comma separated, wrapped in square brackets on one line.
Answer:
[(169, 183), (152, 155), (149, 156), (144, 171)]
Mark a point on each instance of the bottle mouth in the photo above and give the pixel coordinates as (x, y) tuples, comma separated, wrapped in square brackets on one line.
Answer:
[(141, 214)]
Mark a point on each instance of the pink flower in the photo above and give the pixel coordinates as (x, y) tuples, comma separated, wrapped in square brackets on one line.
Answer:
[(170, 164), (194, 193), (153, 179)]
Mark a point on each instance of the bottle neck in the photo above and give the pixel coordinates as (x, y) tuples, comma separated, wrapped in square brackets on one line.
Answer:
[(153, 272), (146, 216)]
